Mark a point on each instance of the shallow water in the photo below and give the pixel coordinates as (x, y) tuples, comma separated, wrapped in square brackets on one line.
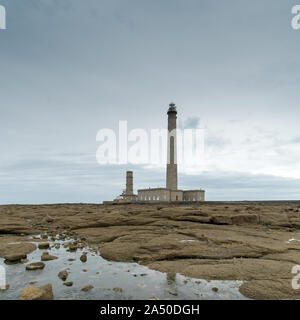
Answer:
[(296, 236), (136, 281)]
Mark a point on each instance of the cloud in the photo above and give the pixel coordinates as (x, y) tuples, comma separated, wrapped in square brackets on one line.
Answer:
[(215, 141), (70, 68), (192, 123), (243, 186), (295, 140), (78, 178)]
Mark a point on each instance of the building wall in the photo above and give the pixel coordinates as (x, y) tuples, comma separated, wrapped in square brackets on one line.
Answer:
[(194, 195), (161, 194), (176, 195), (130, 197), (154, 195)]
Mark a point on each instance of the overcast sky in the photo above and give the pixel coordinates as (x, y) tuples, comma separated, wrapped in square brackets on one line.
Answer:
[(70, 67)]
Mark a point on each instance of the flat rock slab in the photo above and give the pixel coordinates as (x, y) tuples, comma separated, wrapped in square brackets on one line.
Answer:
[(44, 245), (35, 266), (256, 242), (272, 289), (16, 251), (235, 269), (37, 293), (14, 258), (47, 257)]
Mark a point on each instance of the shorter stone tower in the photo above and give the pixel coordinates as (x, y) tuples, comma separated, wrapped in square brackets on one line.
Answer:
[(127, 194), (129, 182)]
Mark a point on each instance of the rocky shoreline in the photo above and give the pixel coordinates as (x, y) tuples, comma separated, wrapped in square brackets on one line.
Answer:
[(255, 242)]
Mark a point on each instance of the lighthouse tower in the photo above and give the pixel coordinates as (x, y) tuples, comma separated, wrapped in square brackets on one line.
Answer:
[(172, 181)]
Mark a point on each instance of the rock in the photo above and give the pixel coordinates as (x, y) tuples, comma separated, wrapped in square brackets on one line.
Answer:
[(47, 257), (57, 245), (251, 243), (6, 287), (72, 247), (14, 258), (87, 288), (15, 252), (220, 220), (48, 219), (118, 290), (269, 289), (66, 244), (68, 284), (83, 258), (35, 266), (63, 275), (215, 289), (84, 270), (245, 219), (71, 259), (44, 236), (43, 245), (171, 277), (37, 293)]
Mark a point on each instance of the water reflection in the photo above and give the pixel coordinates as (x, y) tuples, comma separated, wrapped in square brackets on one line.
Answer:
[(107, 278)]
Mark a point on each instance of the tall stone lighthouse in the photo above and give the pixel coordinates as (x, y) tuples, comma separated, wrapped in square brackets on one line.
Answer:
[(172, 180)]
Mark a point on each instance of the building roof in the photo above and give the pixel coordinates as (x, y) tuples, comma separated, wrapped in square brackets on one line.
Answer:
[(158, 189)]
